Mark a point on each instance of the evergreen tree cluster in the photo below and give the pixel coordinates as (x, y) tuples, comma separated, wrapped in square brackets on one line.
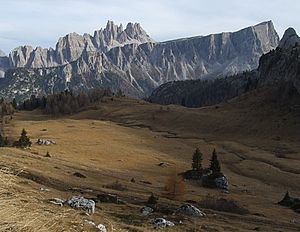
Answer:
[(24, 140), (65, 102), (197, 160), (215, 167), (198, 93)]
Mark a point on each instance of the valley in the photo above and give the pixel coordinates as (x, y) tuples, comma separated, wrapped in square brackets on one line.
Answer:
[(115, 131), (115, 141)]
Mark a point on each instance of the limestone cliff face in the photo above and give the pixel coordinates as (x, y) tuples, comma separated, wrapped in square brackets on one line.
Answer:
[(146, 66), (131, 61), (70, 47), (279, 68)]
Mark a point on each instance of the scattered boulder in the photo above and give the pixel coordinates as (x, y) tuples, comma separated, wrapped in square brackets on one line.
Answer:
[(57, 201), (44, 189), (109, 198), (215, 181), (146, 210), (222, 182), (189, 210), (100, 227), (45, 142), (291, 202), (78, 174), (83, 203), (160, 223)]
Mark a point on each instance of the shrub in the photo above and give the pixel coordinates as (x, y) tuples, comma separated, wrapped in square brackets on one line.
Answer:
[(222, 204), (116, 186), (152, 200), (3, 141), (48, 154), (175, 186)]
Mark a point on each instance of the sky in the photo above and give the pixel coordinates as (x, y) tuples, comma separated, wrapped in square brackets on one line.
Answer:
[(42, 22)]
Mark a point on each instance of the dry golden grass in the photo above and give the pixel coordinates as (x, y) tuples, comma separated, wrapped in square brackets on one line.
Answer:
[(112, 142), (26, 210), (175, 186)]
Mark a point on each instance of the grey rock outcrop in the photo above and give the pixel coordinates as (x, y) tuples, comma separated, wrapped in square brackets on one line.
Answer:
[(289, 39), (189, 210), (82, 203), (76, 202), (99, 227), (222, 182), (145, 211), (160, 223)]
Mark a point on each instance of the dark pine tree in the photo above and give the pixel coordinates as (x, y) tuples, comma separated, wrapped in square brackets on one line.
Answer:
[(214, 164), (24, 140), (14, 103), (183, 102), (2, 141), (197, 160)]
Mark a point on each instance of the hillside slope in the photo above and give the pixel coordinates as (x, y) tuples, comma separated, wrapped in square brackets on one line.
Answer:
[(257, 142)]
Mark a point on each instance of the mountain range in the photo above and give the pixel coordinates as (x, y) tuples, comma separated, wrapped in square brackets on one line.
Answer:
[(278, 69), (130, 60)]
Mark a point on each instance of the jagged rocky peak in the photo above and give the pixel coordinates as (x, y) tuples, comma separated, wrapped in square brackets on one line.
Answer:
[(2, 54), (113, 36), (20, 56), (267, 35), (71, 46), (135, 31), (4, 63), (289, 39)]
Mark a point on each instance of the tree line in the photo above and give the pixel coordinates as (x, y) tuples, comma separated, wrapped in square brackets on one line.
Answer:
[(65, 102)]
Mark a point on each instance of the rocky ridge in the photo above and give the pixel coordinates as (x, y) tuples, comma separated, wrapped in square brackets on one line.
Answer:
[(70, 47), (139, 66), (279, 68)]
